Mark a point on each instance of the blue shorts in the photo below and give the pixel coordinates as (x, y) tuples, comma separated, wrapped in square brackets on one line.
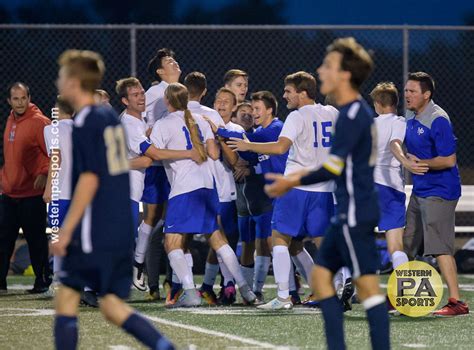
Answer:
[(193, 212), (258, 226), (135, 213), (57, 211), (392, 208), (228, 214), (157, 187), (301, 213), (353, 247), (103, 272)]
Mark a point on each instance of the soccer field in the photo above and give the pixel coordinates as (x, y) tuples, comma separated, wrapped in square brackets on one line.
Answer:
[(26, 323)]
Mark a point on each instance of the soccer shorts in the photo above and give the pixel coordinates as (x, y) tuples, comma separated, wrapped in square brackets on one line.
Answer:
[(157, 187), (193, 212), (228, 214), (303, 212), (392, 208), (257, 226)]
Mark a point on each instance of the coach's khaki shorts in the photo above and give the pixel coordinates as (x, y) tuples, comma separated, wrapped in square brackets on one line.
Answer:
[(430, 226)]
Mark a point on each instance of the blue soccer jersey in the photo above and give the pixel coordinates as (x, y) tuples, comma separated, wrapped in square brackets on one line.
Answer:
[(429, 135), (99, 147)]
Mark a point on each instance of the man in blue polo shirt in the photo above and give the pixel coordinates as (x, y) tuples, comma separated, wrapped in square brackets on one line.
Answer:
[(431, 142)]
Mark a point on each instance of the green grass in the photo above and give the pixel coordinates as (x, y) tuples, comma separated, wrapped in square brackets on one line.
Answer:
[(298, 329)]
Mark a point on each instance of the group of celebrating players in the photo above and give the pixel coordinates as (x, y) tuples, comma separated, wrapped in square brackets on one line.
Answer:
[(232, 172)]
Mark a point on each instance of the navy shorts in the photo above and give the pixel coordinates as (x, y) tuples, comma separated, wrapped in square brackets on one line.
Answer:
[(255, 226), (157, 187), (392, 208), (103, 272), (193, 212), (301, 212), (228, 214), (353, 247)]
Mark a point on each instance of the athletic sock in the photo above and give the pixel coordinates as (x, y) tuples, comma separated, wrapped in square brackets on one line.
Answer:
[(377, 315), (281, 269), (292, 278), (65, 332), (139, 327), (346, 273), (248, 272), (304, 264), (398, 258), (210, 274), (144, 231), (333, 322), (230, 261), (57, 260), (262, 264), (180, 266), (224, 271), (189, 261)]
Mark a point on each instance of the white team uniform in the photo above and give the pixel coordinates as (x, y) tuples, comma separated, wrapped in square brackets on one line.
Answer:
[(60, 138), (226, 177), (135, 132), (184, 175), (307, 152), (155, 106), (388, 170)]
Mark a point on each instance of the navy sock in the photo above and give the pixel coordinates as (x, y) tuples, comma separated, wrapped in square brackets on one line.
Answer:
[(144, 331), (333, 322), (379, 326), (207, 287), (65, 332), (175, 288)]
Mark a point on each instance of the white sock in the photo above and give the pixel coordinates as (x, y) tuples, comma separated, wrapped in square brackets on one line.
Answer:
[(175, 278), (230, 261), (346, 273), (248, 273), (399, 258), (281, 269), (88, 289), (57, 261), (180, 266), (144, 231), (262, 264), (304, 263), (225, 271), (210, 274), (291, 277), (189, 260), (338, 279)]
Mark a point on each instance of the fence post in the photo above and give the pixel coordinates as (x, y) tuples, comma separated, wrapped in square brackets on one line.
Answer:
[(133, 50), (406, 44)]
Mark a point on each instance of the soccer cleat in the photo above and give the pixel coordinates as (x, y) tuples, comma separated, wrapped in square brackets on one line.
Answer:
[(172, 298), (247, 295), (208, 296), (228, 294), (37, 290), (153, 295), (89, 298), (295, 297), (139, 280), (346, 295), (452, 308), (189, 298), (310, 301), (260, 300), (277, 304)]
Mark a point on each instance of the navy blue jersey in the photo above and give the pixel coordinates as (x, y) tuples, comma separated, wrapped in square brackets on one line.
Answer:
[(355, 144), (268, 163), (99, 147)]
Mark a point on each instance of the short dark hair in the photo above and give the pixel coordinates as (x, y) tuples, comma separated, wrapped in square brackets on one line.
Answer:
[(18, 85), (230, 75), (155, 63), (386, 94), (268, 100), (64, 106), (121, 88), (426, 82), (196, 83), (303, 81), (355, 60)]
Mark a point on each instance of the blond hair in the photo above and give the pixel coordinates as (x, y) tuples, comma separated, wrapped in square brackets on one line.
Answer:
[(177, 96), (386, 94), (85, 65)]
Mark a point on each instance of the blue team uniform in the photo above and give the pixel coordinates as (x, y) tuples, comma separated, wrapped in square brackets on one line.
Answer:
[(350, 240), (100, 254)]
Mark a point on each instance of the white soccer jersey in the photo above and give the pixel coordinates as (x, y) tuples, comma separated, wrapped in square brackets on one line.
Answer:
[(226, 175), (184, 175), (388, 170), (155, 105), (225, 188), (135, 132), (60, 137), (310, 128)]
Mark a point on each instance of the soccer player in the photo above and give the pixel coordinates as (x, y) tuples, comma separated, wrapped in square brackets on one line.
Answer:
[(306, 210), (140, 153), (243, 109), (165, 70), (237, 81), (350, 241), (431, 142), (192, 206), (95, 238), (102, 97)]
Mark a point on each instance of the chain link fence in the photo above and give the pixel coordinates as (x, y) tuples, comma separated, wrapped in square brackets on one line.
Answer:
[(268, 53)]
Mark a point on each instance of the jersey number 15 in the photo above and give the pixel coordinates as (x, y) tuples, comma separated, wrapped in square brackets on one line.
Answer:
[(326, 135)]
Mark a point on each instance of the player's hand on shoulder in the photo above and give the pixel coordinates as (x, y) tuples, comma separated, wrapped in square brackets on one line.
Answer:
[(211, 124)]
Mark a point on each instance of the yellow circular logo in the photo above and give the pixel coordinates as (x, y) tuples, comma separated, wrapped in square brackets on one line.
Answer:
[(415, 288)]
